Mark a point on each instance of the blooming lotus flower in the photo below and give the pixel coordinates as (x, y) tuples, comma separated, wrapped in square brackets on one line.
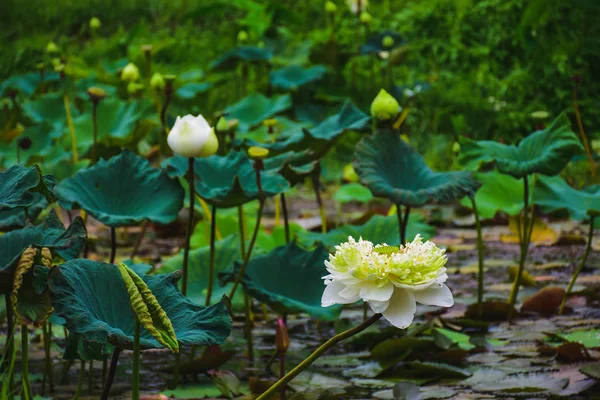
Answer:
[(193, 137), (390, 279)]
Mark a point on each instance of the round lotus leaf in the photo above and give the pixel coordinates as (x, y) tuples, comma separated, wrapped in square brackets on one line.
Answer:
[(49, 108), (289, 280), (192, 89), (554, 193), (232, 58), (41, 146), (227, 181), (295, 76), (18, 186), (124, 190), (254, 109), (26, 83), (391, 168), (545, 151), (92, 298)]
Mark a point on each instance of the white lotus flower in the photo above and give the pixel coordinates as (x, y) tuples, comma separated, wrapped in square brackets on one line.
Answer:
[(390, 279), (193, 137)]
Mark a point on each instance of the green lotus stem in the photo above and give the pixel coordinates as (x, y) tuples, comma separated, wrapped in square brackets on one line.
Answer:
[(113, 247), (25, 384), (9, 358), (316, 184), (80, 380), (317, 353), (586, 253), (95, 123), (480, 276), (135, 369), (104, 367), (176, 370), (242, 229), (67, 105), (163, 117), (48, 370), (261, 206), (402, 222), (91, 376), (65, 372), (10, 328), (186, 251), (114, 361), (138, 242), (286, 219), (282, 373), (249, 326), (211, 267)]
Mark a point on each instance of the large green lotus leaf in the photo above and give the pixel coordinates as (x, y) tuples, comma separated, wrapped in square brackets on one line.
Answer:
[(289, 280), (554, 193), (49, 108), (545, 151), (78, 348), (60, 164), (227, 181), (295, 167), (192, 89), (18, 186), (378, 229), (295, 76), (91, 297), (51, 233), (41, 146), (17, 217), (321, 138), (26, 83), (117, 120), (499, 192), (375, 43), (391, 168), (124, 190), (254, 109), (227, 251), (232, 58)]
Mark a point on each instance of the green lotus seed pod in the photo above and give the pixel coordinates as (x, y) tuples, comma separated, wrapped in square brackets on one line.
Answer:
[(270, 123), (52, 48), (157, 81), (258, 153), (222, 125), (541, 114), (384, 106), (242, 36), (366, 18), (387, 41), (130, 73), (96, 93), (330, 7), (95, 23), (456, 147)]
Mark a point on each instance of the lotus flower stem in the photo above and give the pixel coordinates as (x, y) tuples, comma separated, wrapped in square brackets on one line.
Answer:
[(282, 373), (261, 206), (211, 267), (113, 247), (586, 253), (104, 367), (248, 328), (114, 361), (188, 235), (25, 384), (10, 329), (95, 123), (317, 353), (584, 139), (317, 189), (48, 370), (286, 220), (135, 370), (80, 380), (242, 229), (140, 239), (10, 359), (67, 105), (480, 276), (402, 222), (91, 377), (163, 116)]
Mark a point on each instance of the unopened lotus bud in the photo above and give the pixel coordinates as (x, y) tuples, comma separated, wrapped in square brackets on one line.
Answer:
[(384, 106), (365, 18), (242, 36), (222, 125), (387, 41), (157, 81), (330, 7), (130, 73), (52, 48), (96, 94), (134, 87), (95, 23), (282, 339)]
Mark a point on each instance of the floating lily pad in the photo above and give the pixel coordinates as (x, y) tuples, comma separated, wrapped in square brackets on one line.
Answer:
[(295, 76), (254, 109), (18, 186), (227, 181), (527, 385), (51, 233), (124, 190), (391, 168), (545, 151), (192, 89), (554, 193), (378, 229), (289, 280), (226, 253), (232, 58), (91, 296)]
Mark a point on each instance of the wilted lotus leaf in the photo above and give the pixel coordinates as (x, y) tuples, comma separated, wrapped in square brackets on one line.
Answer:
[(93, 300), (545, 151), (148, 310), (554, 193), (295, 76), (391, 168), (124, 190), (227, 181), (232, 58), (378, 229), (321, 138), (18, 184), (254, 109), (289, 280), (51, 233)]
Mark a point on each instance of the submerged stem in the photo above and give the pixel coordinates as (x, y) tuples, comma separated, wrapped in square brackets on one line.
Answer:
[(186, 251), (317, 353)]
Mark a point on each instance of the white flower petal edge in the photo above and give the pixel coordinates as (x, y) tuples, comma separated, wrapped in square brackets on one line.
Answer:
[(331, 295), (434, 295), (192, 137), (402, 308)]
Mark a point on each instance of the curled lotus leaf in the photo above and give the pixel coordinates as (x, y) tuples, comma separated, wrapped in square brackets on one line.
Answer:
[(18, 186), (31, 307), (545, 151), (228, 181), (124, 190), (17, 217), (289, 280), (554, 193), (90, 296), (148, 310), (392, 169)]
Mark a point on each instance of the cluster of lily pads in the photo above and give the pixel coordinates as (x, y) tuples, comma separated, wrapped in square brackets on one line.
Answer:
[(114, 152)]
